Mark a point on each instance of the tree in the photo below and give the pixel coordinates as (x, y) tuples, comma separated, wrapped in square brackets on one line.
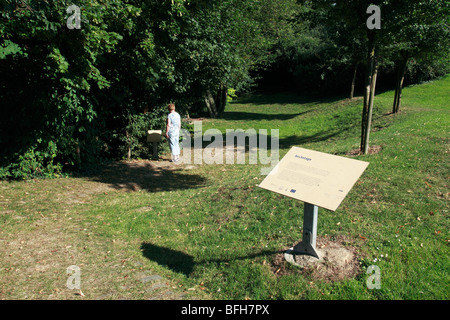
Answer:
[(84, 89), (418, 30), (352, 15), (48, 72), (409, 29), (225, 42)]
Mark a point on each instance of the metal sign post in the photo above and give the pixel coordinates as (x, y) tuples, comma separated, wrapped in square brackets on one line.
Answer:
[(319, 180), (308, 244)]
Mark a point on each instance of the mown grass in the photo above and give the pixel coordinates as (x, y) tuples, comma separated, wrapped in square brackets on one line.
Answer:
[(222, 234), (228, 231)]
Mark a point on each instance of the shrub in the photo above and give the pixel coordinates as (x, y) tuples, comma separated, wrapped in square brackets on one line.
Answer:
[(36, 162), (134, 136)]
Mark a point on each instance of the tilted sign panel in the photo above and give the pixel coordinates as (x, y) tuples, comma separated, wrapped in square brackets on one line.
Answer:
[(314, 177)]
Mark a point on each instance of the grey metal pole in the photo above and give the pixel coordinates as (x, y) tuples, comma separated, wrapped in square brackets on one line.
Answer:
[(155, 150), (308, 244)]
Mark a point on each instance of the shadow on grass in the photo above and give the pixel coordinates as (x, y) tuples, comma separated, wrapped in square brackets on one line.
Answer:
[(174, 260), (183, 263), (245, 139), (338, 124), (294, 140), (254, 116), (284, 98), (152, 176)]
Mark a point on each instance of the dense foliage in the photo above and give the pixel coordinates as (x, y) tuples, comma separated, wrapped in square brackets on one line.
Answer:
[(70, 96)]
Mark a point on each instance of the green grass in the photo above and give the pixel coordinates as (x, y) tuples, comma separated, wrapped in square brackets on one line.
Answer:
[(219, 233)]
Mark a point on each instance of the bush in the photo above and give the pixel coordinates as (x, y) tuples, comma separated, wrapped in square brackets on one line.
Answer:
[(36, 162), (134, 136)]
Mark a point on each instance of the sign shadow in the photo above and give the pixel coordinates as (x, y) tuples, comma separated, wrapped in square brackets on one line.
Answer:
[(184, 263)]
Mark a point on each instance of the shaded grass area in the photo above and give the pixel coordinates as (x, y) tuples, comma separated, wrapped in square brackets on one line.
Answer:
[(213, 233)]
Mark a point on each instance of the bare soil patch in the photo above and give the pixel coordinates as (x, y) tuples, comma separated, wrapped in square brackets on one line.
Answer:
[(372, 150), (338, 261)]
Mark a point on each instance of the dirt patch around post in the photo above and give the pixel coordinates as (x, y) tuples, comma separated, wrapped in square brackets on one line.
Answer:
[(338, 261), (372, 150)]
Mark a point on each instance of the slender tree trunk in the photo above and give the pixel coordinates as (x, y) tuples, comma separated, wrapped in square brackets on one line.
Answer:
[(78, 154), (211, 104), (399, 86), (365, 112), (221, 99), (370, 111), (394, 106), (397, 89), (129, 147), (365, 123), (352, 90)]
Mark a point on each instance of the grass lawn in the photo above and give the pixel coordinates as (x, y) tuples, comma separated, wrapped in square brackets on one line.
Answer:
[(209, 232)]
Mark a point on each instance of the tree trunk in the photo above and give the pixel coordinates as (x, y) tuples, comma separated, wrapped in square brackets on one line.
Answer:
[(211, 104), (221, 99), (365, 112), (78, 154), (129, 147), (394, 106), (352, 90), (370, 110), (399, 86), (365, 123)]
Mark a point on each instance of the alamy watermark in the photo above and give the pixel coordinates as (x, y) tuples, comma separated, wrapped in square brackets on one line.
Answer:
[(74, 20), (74, 280), (374, 21), (234, 146), (374, 280)]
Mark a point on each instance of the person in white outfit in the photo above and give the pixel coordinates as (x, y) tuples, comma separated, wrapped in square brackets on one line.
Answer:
[(173, 132)]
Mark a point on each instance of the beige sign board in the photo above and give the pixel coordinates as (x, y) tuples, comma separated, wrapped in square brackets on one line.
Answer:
[(314, 177), (154, 135)]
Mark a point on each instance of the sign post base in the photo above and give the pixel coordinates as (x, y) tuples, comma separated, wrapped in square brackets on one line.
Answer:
[(308, 244), (155, 150)]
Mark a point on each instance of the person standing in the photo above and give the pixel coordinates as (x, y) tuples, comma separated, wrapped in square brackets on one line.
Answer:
[(173, 132)]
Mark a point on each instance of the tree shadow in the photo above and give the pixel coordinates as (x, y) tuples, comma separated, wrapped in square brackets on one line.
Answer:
[(255, 139), (284, 98), (253, 116), (185, 264), (152, 176), (294, 140)]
